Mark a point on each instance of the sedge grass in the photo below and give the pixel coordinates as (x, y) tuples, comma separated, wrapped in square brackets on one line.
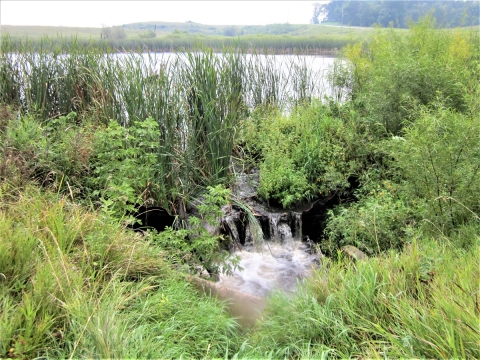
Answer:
[(196, 96), (75, 284), (420, 303)]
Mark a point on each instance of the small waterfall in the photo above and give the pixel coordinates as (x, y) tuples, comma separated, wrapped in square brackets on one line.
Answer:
[(280, 259), (273, 221), (284, 233), (278, 262)]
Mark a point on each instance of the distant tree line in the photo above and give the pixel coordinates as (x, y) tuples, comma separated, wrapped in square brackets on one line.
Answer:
[(367, 13)]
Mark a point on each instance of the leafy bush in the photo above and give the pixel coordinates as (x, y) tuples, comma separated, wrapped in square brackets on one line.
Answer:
[(125, 165), (379, 221), (281, 180), (439, 157), (396, 72), (195, 248), (306, 154)]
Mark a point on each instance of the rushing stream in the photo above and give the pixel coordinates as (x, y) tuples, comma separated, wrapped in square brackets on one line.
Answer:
[(277, 261), (280, 258), (278, 264), (274, 266)]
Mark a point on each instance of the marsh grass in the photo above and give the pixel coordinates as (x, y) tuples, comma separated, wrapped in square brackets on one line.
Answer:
[(196, 96), (422, 302), (315, 39), (74, 284)]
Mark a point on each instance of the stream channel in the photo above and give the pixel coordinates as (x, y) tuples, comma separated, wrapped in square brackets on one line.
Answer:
[(277, 258)]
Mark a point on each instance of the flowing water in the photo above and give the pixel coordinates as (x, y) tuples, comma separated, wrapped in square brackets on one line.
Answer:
[(275, 266), (279, 261)]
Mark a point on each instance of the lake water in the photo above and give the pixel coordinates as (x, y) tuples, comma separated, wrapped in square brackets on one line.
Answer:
[(314, 69)]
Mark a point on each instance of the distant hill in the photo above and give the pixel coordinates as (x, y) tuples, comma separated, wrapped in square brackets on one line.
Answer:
[(162, 27), (226, 30), (159, 29)]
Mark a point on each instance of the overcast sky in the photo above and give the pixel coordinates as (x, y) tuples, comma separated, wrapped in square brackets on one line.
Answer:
[(96, 13)]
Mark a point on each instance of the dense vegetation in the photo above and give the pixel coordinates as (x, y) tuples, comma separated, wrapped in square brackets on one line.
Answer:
[(448, 13), (86, 137), (165, 36)]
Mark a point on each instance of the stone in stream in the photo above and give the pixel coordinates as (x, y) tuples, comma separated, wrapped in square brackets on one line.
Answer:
[(354, 253)]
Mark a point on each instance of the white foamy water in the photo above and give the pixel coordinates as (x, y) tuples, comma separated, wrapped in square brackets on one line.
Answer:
[(275, 266)]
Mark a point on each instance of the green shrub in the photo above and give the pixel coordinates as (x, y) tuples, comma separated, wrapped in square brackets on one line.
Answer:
[(381, 220), (439, 157), (308, 154), (396, 72), (125, 166)]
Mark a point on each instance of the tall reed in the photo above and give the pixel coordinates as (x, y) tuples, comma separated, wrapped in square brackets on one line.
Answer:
[(196, 96)]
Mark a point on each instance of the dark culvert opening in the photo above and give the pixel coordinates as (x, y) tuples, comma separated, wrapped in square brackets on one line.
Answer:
[(315, 218), (152, 218)]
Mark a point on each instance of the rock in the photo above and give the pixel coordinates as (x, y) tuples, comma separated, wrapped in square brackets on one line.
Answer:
[(354, 253)]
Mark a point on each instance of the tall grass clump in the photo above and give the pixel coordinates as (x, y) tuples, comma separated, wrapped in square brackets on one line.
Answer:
[(9, 75), (76, 284), (215, 102), (421, 302), (47, 81)]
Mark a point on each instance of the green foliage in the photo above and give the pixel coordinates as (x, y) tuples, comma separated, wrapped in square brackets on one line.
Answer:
[(304, 155), (385, 12), (9, 74), (195, 248), (280, 180), (68, 149), (25, 134), (54, 152), (439, 157), (381, 220), (396, 73), (196, 98), (126, 165), (214, 104), (33, 284)]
